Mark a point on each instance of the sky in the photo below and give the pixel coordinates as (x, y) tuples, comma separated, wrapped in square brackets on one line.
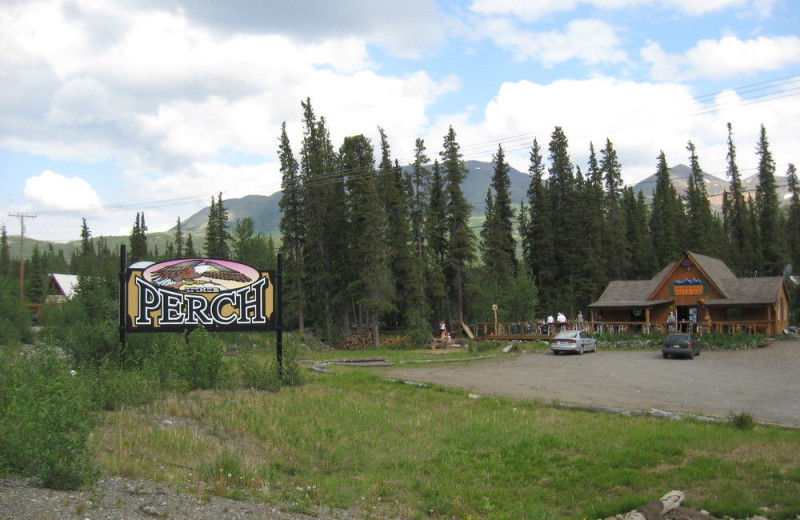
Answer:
[(112, 107)]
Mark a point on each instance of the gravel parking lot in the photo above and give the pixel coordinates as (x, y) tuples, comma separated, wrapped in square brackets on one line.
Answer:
[(764, 382)]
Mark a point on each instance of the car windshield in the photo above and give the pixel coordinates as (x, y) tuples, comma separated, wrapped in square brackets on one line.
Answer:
[(567, 334), (677, 337)]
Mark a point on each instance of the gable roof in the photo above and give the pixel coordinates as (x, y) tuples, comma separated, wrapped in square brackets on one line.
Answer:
[(65, 283), (715, 270), (751, 291), (629, 293), (735, 291)]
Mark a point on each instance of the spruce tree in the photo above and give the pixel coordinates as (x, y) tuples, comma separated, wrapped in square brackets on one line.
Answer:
[(5, 253), (217, 234), (370, 286), (325, 252), (179, 240), (461, 240), (498, 248), (637, 220), (703, 228), (592, 271), (562, 191), (293, 230), (436, 237), (537, 244), (616, 250), (743, 257), (419, 179), (138, 239), (190, 251), (792, 226), (770, 219), (405, 265), (667, 218)]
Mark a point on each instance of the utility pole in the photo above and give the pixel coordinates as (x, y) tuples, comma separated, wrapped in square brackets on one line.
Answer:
[(22, 217)]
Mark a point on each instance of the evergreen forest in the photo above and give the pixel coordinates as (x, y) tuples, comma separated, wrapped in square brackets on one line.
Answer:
[(369, 245)]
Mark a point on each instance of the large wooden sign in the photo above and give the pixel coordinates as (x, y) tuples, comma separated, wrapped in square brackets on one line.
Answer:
[(688, 287), (179, 295)]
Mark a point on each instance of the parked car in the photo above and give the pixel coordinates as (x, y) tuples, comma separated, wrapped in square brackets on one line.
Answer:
[(681, 344), (573, 341)]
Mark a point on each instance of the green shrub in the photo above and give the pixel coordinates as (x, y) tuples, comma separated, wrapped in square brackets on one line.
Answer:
[(112, 387), (202, 358), (291, 375), (259, 374), (15, 319), (46, 416), (742, 420), (90, 344), (419, 331)]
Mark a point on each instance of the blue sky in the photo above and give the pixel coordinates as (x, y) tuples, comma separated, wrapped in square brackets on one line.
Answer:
[(114, 107)]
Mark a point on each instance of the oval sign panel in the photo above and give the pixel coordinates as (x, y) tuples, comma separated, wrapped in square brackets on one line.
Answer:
[(198, 275)]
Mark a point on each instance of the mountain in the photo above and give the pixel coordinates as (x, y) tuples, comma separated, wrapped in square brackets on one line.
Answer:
[(266, 214), (264, 210), (714, 185)]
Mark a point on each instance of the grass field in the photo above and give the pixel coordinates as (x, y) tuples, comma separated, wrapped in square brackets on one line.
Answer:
[(354, 440)]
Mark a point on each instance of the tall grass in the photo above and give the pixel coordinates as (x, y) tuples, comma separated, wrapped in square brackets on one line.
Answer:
[(354, 440)]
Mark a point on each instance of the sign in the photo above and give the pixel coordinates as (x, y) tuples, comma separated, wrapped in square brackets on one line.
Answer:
[(688, 287), (178, 295)]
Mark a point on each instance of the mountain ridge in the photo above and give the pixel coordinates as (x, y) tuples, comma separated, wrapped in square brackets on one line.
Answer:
[(265, 210)]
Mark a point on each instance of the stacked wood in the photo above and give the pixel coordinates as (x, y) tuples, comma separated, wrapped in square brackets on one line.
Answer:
[(356, 342), (445, 343)]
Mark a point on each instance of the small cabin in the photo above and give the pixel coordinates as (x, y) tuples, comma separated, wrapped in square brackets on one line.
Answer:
[(61, 287)]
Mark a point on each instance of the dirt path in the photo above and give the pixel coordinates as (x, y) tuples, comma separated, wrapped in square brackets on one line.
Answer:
[(764, 382)]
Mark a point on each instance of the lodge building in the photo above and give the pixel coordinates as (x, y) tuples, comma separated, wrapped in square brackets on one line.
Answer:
[(702, 293)]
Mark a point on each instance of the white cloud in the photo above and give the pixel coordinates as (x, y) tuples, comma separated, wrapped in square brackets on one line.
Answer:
[(405, 28), (534, 10), (640, 119), (588, 40), (723, 59), (57, 192)]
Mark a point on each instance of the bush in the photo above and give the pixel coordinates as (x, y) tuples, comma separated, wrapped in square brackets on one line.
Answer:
[(202, 357), (111, 387), (291, 374), (742, 420), (419, 332), (90, 344), (15, 319), (46, 416), (259, 374)]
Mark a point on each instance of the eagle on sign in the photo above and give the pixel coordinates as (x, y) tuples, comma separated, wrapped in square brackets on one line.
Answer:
[(176, 275)]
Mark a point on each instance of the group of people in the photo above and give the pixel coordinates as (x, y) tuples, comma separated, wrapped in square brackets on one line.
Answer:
[(562, 318)]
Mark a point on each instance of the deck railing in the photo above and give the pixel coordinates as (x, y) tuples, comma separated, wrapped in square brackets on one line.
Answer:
[(528, 330)]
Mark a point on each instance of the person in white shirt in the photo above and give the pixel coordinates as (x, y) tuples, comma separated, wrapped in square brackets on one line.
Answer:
[(561, 318)]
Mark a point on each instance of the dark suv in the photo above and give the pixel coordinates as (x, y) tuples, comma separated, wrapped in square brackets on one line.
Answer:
[(681, 344)]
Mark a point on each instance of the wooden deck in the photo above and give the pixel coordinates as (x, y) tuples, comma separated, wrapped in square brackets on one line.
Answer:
[(518, 331)]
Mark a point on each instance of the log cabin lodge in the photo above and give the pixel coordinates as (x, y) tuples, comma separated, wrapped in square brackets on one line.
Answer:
[(701, 292), (704, 296)]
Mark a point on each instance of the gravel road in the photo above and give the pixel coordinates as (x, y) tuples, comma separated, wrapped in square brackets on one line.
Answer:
[(764, 382)]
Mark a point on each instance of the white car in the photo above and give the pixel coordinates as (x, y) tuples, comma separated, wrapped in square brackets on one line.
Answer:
[(573, 341)]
